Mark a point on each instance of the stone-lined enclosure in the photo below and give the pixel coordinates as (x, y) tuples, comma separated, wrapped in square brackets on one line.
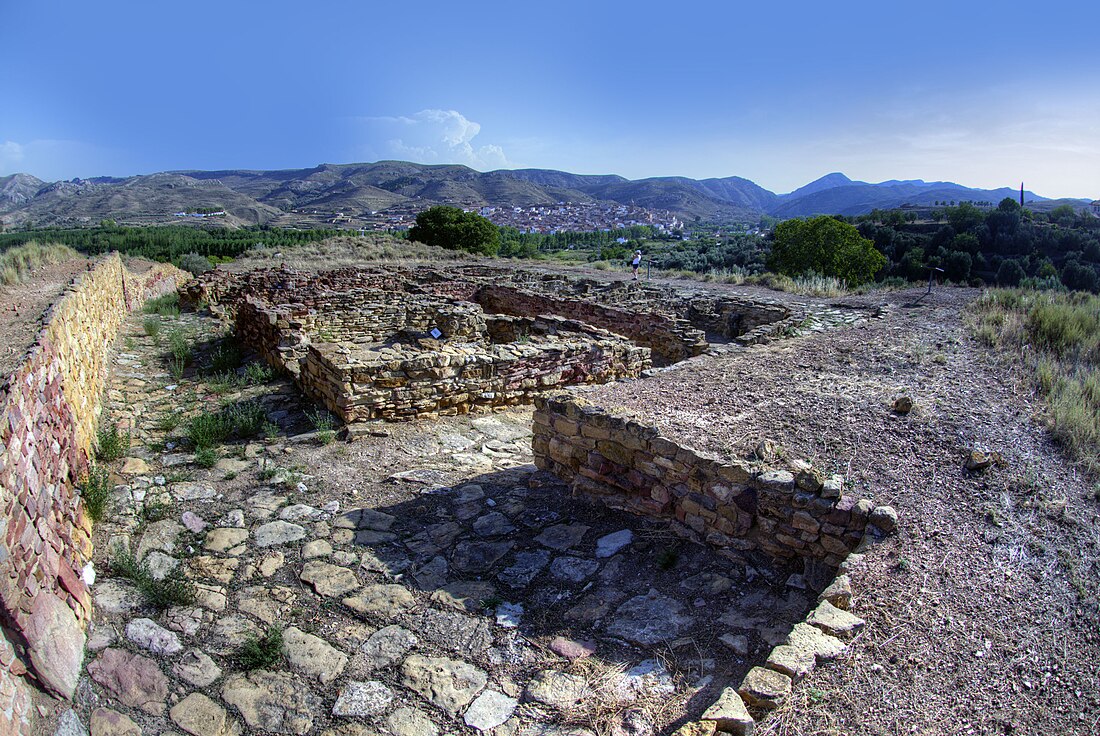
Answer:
[(49, 407), (393, 343)]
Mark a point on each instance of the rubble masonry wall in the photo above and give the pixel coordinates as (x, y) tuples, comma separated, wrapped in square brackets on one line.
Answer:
[(626, 465), (49, 408)]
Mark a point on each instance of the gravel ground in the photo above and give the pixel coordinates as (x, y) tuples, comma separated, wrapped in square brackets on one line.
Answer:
[(982, 611)]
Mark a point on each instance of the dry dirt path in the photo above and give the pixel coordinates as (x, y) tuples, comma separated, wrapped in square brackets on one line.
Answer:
[(425, 580)]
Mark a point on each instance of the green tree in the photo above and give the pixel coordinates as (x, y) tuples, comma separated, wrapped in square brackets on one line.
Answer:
[(1011, 273), (451, 228), (826, 246)]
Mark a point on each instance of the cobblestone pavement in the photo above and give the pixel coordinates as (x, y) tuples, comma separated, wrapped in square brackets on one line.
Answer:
[(424, 579)]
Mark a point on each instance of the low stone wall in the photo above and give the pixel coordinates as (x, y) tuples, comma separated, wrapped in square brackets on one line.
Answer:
[(727, 504), (49, 409), (673, 339), (392, 383), (281, 333)]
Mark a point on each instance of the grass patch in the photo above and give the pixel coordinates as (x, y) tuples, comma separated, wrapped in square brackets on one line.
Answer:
[(166, 306), (206, 457), (157, 511), (1057, 336), (236, 421), (261, 652), (111, 444), (225, 359), (95, 490), (173, 590), (324, 424), (151, 325), (257, 374), (19, 262)]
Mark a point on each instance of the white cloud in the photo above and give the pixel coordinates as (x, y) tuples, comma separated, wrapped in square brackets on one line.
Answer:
[(433, 137), (11, 154)]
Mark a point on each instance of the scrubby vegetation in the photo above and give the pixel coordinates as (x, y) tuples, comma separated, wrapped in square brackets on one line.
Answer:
[(261, 652), (167, 243), (17, 262), (240, 421), (1007, 245), (95, 491), (1057, 336), (172, 590), (111, 443)]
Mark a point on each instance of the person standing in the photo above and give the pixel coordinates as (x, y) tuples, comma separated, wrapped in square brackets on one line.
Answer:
[(637, 261)]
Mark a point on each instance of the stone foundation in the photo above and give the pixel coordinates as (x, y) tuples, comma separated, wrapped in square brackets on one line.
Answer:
[(446, 377), (49, 409)]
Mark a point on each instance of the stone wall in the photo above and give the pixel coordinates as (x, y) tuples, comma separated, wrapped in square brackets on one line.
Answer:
[(626, 465), (391, 382), (49, 409), (671, 338)]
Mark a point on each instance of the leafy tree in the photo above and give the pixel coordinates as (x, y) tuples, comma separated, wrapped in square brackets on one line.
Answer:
[(450, 227), (824, 245), (957, 265), (1011, 273), (195, 264)]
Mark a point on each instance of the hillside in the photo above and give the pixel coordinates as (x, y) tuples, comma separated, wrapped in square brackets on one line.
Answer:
[(318, 194)]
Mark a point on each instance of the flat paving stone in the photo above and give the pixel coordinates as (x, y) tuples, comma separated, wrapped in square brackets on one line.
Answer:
[(277, 532), (649, 619), (446, 683), (362, 699), (562, 537)]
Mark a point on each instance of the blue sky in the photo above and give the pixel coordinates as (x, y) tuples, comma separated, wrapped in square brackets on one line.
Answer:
[(780, 93)]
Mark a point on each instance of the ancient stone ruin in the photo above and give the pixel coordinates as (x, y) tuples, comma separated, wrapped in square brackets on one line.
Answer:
[(402, 343)]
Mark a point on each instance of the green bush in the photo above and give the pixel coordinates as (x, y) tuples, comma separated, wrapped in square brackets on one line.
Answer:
[(261, 652), (166, 306), (826, 246), (240, 421), (195, 264), (95, 491), (257, 374), (451, 228), (206, 457), (225, 358), (173, 590), (111, 444), (152, 327)]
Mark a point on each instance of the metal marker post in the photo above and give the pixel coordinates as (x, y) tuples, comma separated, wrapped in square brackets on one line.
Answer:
[(931, 272)]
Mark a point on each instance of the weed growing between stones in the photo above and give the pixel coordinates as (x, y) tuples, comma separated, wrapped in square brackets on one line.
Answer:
[(324, 424), (166, 306), (257, 374), (668, 557), (111, 444), (240, 421), (155, 511), (261, 652), (225, 359), (169, 422), (151, 325), (206, 457), (95, 490), (172, 590)]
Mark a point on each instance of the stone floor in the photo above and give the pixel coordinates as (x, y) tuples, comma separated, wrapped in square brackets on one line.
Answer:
[(425, 579)]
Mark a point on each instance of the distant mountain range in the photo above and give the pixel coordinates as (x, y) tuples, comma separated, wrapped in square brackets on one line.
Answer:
[(274, 197)]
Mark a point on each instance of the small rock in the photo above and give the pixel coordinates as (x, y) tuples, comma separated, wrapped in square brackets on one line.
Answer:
[(388, 646), (382, 602), (490, 710), (273, 701), (729, 714), (977, 460), (839, 592), (278, 532), (148, 635), (903, 405), (410, 722), (573, 569), (135, 466), (362, 699), (135, 680), (611, 544), (447, 683), (557, 689), (833, 620), (197, 668), (738, 643), (562, 537), (313, 655), (107, 722), (884, 518), (764, 689), (508, 615), (331, 581), (200, 716), (572, 649), (194, 523)]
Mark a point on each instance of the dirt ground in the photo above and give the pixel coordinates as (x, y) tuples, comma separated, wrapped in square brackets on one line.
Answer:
[(982, 610), (22, 306)]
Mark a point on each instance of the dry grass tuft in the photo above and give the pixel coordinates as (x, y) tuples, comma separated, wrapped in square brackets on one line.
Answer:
[(1057, 336), (19, 262), (344, 251)]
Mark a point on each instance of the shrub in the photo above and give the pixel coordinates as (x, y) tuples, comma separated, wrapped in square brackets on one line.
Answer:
[(237, 420), (324, 424), (111, 444), (256, 374), (166, 306), (195, 264), (261, 652), (95, 491), (172, 590), (225, 358), (206, 457), (152, 327), (825, 246)]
